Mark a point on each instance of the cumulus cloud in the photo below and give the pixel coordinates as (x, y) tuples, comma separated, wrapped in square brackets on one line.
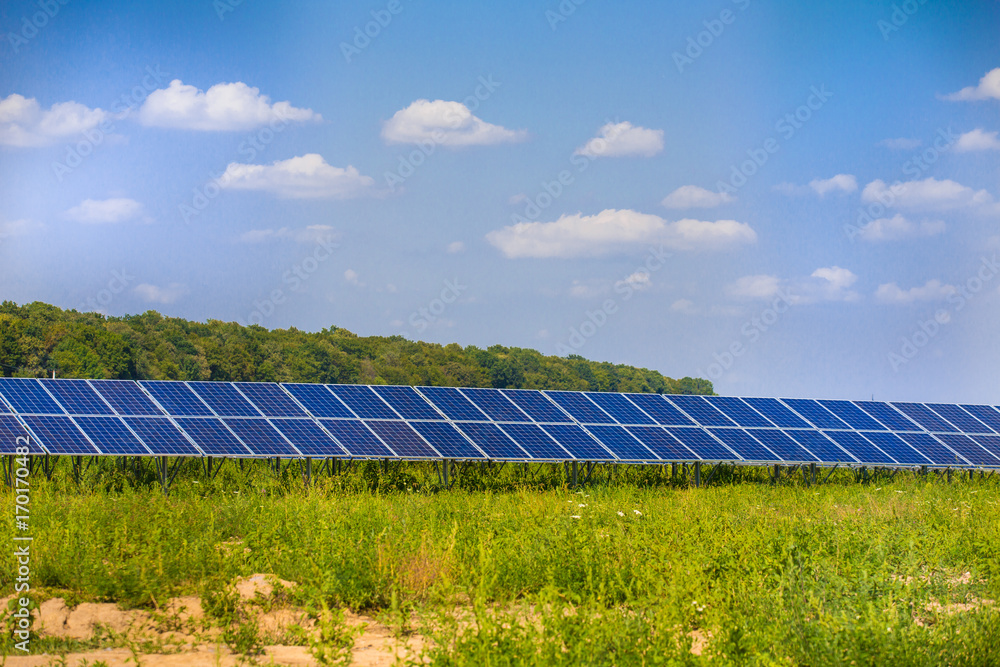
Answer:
[(310, 234), (901, 144), (165, 295), (758, 286), (977, 140), (24, 123), (447, 123), (351, 276), (223, 107), (305, 177), (638, 281), (897, 228), (692, 196), (615, 231), (623, 140), (928, 194), (932, 290), (455, 247), (830, 283), (988, 88), (106, 211), (841, 182), (682, 306)]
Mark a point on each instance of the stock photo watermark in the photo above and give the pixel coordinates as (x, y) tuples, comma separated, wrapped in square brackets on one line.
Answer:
[(427, 315), (901, 13), (381, 18), (714, 28), (750, 333), (294, 278), (31, 26), (21, 614), (98, 303), (562, 12)]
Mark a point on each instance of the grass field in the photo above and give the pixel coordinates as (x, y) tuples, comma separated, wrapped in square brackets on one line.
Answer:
[(508, 569)]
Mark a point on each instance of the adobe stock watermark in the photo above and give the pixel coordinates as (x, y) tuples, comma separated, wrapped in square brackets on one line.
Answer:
[(31, 26), (294, 278), (901, 13), (595, 320), (425, 316), (381, 18), (925, 331), (223, 7), (562, 12), (98, 303), (750, 333), (714, 28), (21, 616)]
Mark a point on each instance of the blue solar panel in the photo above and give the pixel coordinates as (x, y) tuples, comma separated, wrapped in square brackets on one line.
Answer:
[(897, 448), (579, 407), (744, 444), (819, 416), (738, 411), (447, 440), (664, 445), (622, 443), (824, 448), (620, 408), (495, 405), (28, 397), (863, 450), (4, 409), (537, 406), (406, 442), (270, 399), (933, 449), (224, 399), (960, 418), (260, 437), (308, 437), (77, 397), (782, 445), (985, 414), (161, 436), (578, 442), (112, 436), (453, 404), (213, 438), (126, 397), (176, 398), (702, 443), (853, 415), (776, 411), (358, 440), (990, 443), (970, 450), (493, 441), (408, 403), (925, 417), (536, 442), (888, 415), (60, 435), (319, 401), (10, 432), (700, 410), (660, 409), (363, 401)]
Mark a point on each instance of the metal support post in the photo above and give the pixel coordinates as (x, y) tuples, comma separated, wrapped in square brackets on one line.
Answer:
[(697, 474), (576, 473), (812, 472)]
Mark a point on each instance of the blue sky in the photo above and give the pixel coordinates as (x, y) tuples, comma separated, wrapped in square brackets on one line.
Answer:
[(787, 199)]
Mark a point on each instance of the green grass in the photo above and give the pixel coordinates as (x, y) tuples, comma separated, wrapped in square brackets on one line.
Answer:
[(519, 570)]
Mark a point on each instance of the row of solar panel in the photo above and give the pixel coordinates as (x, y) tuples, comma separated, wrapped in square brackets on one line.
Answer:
[(289, 420)]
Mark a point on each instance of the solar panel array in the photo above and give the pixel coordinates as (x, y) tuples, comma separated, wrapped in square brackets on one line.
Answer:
[(293, 420)]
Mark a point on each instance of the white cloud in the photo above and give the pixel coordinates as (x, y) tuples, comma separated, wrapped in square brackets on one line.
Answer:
[(310, 234), (989, 87), (587, 290), (977, 140), (897, 227), (153, 294), (683, 306), (692, 196), (351, 276), (824, 284), (223, 107), (842, 182), (932, 290), (305, 177), (12, 228), (447, 123), (615, 231), (759, 286), (621, 140), (638, 281), (928, 194), (24, 123), (106, 211), (901, 144), (455, 247)]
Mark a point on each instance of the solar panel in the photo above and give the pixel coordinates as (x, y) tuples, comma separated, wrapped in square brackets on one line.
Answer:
[(213, 438), (408, 403), (776, 412), (619, 407), (896, 447), (319, 401), (925, 417), (357, 439), (700, 410), (126, 397), (270, 399), (27, 396), (970, 450), (537, 406), (621, 443), (738, 411), (77, 397), (496, 406), (308, 437), (702, 443), (224, 399), (744, 444), (888, 415), (660, 409), (4, 409), (859, 447), (853, 415), (59, 435), (784, 446), (13, 435), (260, 437), (176, 398), (112, 436), (960, 418), (161, 436), (453, 404), (447, 440), (824, 448), (494, 442), (933, 449), (985, 414), (990, 443), (363, 401), (578, 442), (815, 413), (661, 443), (406, 442), (579, 407), (536, 442)]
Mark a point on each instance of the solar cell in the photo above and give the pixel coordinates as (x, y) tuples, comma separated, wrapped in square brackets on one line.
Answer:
[(224, 399), (176, 398), (408, 403), (863, 450), (111, 436), (990, 443), (970, 450), (933, 449), (888, 415), (664, 445), (406, 442), (495, 405), (260, 437), (896, 447), (453, 404), (985, 414), (319, 401), (446, 440), (853, 415), (536, 406), (619, 407), (308, 437), (270, 399), (363, 401), (77, 397), (960, 418), (822, 447), (776, 412), (702, 443), (27, 396), (925, 417), (213, 438), (744, 444), (536, 442), (738, 411), (59, 435), (815, 413), (494, 442), (621, 443), (700, 410), (579, 407), (782, 445), (126, 397), (4, 409), (13, 435), (578, 442), (660, 409), (161, 436), (357, 439)]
